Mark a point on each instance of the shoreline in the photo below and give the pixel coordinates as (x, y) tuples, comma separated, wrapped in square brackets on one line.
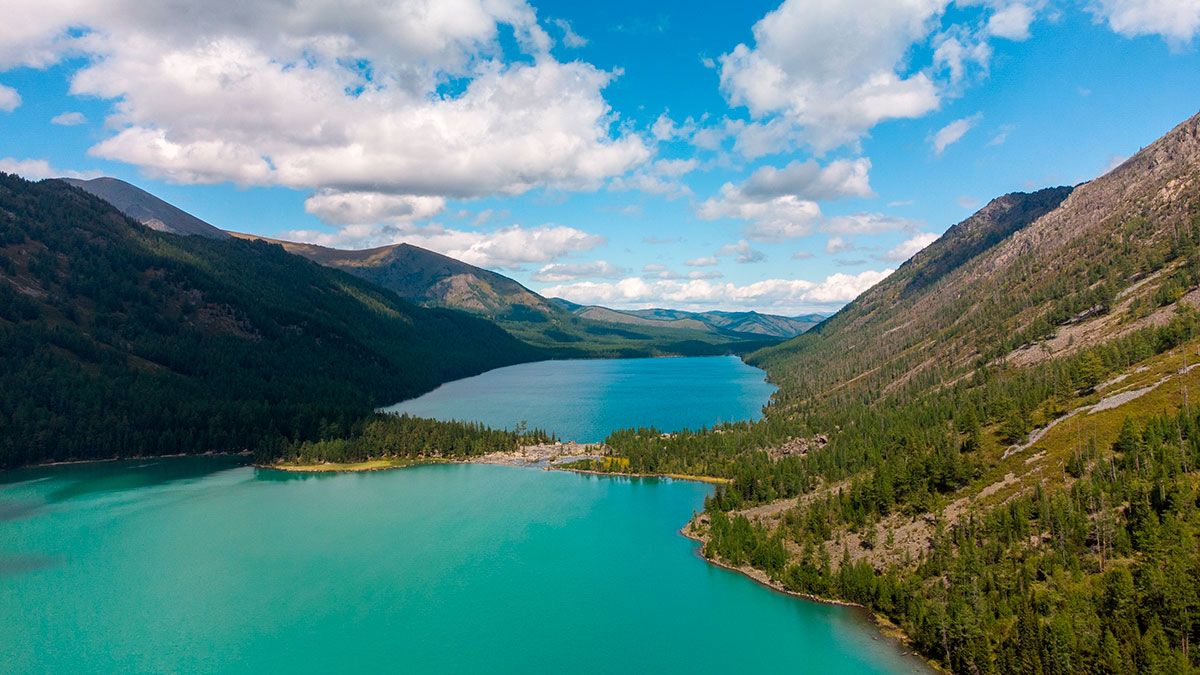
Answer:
[(131, 458), (886, 628)]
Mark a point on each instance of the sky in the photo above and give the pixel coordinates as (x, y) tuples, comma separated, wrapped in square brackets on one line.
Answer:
[(781, 157)]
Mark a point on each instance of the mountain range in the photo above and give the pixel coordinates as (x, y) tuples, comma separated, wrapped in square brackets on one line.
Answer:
[(435, 280)]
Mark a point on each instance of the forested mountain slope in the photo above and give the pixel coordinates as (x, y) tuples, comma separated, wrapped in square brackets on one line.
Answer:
[(435, 280), (120, 340), (427, 278), (997, 447)]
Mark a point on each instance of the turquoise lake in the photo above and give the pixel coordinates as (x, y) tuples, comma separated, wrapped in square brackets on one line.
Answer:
[(202, 565), (584, 400)]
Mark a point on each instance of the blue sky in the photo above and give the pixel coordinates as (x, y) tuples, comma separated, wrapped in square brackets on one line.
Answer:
[(756, 155)]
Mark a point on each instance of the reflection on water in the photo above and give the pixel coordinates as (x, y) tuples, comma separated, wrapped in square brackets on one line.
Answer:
[(93, 478), (12, 565)]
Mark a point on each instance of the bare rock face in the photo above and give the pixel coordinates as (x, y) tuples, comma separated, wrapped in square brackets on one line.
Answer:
[(147, 209), (798, 447)]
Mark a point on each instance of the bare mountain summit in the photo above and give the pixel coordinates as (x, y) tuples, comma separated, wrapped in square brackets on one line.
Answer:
[(146, 208)]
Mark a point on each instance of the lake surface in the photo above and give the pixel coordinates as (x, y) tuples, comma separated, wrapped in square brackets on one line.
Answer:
[(186, 565), (585, 400)]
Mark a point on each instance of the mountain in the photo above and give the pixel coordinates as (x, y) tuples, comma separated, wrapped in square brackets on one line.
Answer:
[(434, 280), (743, 324), (427, 278), (753, 323), (119, 340), (146, 208), (995, 447)]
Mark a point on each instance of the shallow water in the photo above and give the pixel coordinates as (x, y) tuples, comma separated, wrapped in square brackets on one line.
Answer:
[(584, 400), (200, 565)]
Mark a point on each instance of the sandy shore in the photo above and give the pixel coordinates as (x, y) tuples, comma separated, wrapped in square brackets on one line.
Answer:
[(329, 467)]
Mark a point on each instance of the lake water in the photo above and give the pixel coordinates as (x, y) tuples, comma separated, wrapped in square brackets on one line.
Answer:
[(584, 400), (198, 565)]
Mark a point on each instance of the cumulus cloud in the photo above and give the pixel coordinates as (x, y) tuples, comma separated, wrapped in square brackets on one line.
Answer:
[(1011, 22), (773, 219), (742, 252), (834, 69), (556, 272), (364, 208), (909, 247), (837, 245), (661, 177), (68, 119), (410, 98), (10, 100), (37, 169), (706, 261), (505, 248), (1176, 21), (952, 133), (809, 180), (782, 295), (781, 203)]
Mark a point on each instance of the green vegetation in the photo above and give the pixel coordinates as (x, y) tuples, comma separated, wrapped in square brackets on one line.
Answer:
[(391, 437), (121, 341), (1073, 550)]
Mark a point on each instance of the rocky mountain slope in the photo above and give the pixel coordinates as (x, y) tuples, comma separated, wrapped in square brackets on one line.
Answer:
[(996, 448)]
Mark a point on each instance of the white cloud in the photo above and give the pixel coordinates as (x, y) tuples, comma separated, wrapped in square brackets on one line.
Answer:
[(1001, 136), (556, 272), (570, 38), (364, 208), (411, 98), (707, 261), (837, 245), (834, 69), (811, 181), (782, 295), (1011, 22), (967, 202), (868, 223), (10, 99), (958, 51), (658, 178), (909, 247), (742, 252), (772, 219), (952, 133), (68, 119), (782, 203), (1177, 21), (37, 169), (505, 248)]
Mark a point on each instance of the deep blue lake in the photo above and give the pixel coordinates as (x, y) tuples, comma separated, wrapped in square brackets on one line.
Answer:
[(584, 400)]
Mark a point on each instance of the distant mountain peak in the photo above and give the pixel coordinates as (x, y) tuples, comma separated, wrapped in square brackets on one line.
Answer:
[(146, 208)]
